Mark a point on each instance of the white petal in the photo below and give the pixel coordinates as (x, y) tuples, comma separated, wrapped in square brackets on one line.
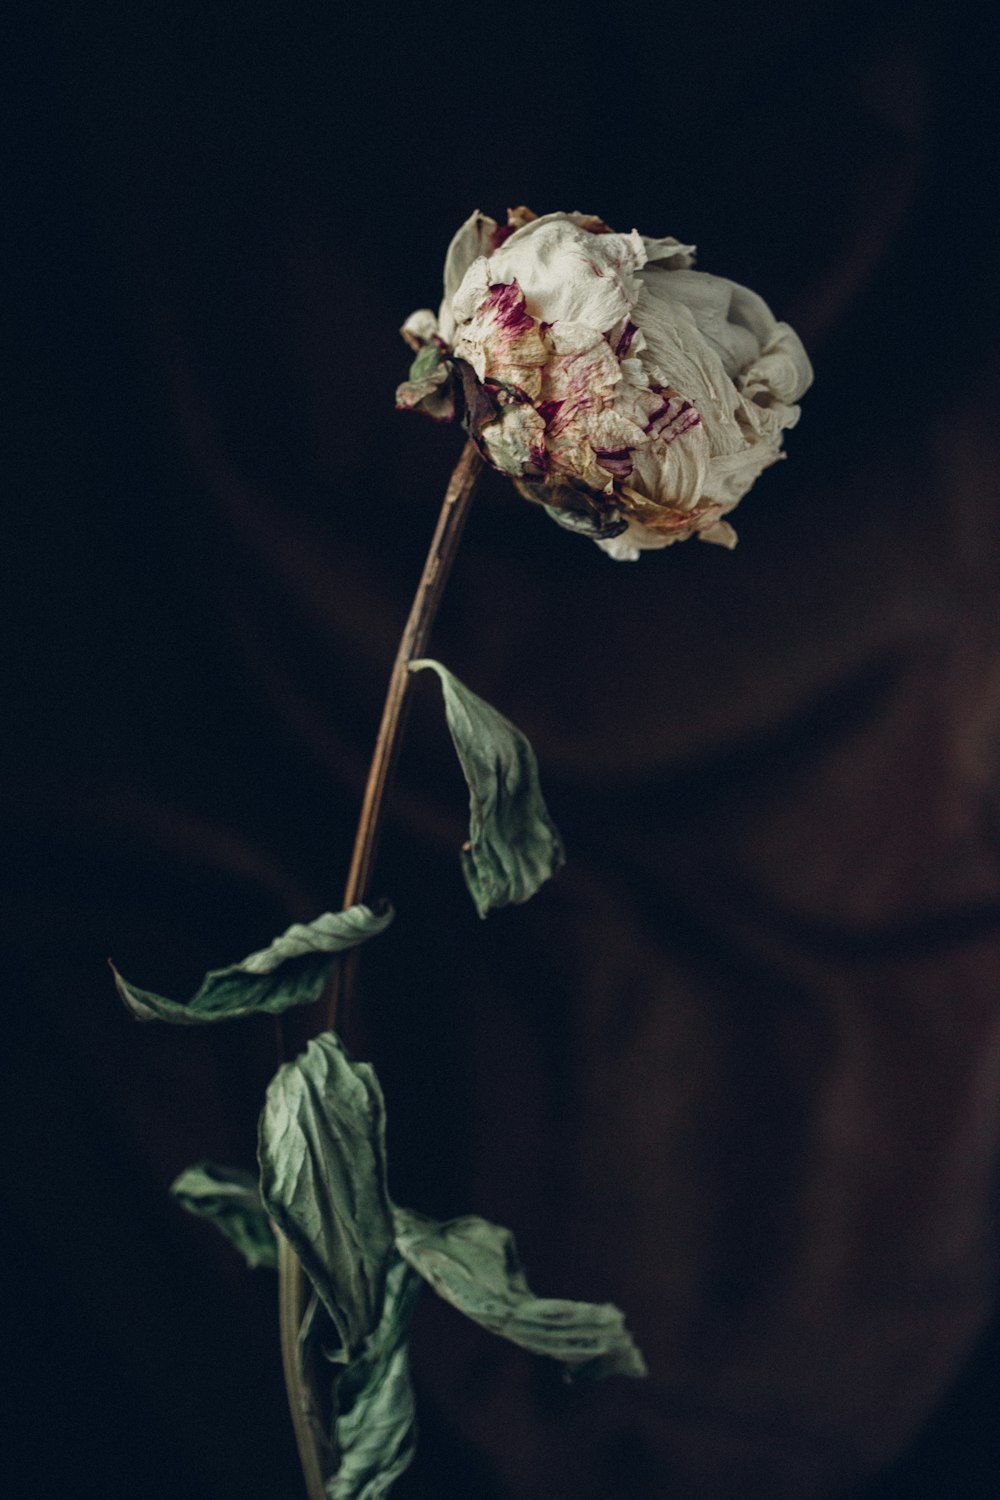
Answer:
[(733, 320), (578, 220), (677, 256), (678, 355), (469, 297), (732, 474), (568, 273), (674, 472), (762, 417), (622, 548), (611, 429), (420, 327), (782, 370), (634, 371), (472, 240), (627, 546), (573, 338), (721, 533), (750, 310)]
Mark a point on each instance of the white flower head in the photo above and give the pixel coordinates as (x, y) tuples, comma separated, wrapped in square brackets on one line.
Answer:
[(635, 398)]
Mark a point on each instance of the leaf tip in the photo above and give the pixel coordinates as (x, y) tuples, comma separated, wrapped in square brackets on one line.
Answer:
[(135, 1009)]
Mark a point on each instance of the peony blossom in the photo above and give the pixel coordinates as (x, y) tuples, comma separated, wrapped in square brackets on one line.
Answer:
[(635, 398)]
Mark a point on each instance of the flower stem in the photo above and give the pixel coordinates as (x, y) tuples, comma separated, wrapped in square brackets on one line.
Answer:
[(292, 1295), (412, 644), (293, 1286)]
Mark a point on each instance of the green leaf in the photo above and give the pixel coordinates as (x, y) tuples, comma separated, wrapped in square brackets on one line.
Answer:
[(294, 970), (429, 361), (474, 1265), (229, 1199), (430, 386), (323, 1181), (513, 845), (374, 1429)]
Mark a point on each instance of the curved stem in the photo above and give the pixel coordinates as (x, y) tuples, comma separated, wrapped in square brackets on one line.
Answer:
[(412, 644), (293, 1285)]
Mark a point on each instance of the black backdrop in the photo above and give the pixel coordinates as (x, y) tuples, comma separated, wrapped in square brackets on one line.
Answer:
[(738, 1068)]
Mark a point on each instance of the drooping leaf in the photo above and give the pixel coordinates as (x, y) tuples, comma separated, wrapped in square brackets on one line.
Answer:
[(323, 1181), (374, 1429), (293, 970), (365, 1417), (474, 1265), (230, 1199), (513, 845)]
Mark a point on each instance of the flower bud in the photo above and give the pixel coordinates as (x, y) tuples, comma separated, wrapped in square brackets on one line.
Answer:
[(635, 398)]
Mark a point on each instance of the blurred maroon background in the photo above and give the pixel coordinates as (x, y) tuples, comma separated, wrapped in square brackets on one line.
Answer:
[(738, 1068)]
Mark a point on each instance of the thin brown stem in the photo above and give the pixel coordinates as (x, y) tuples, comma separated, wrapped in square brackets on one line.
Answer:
[(412, 645), (293, 1286), (292, 1297)]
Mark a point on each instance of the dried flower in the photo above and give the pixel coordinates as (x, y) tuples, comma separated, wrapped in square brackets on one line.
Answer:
[(633, 397)]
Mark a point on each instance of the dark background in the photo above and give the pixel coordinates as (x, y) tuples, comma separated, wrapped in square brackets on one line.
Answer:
[(738, 1068)]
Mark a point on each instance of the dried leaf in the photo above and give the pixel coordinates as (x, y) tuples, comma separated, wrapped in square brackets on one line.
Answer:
[(293, 970), (513, 844), (323, 1181), (474, 1265), (374, 1430), (230, 1199)]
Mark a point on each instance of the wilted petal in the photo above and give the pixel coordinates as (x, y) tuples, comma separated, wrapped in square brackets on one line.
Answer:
[(678, 355), (721, 533), (578, 382), (669, 252), (567, 273), (419, 328), (673, 469), (502, 341), (752, 312), (732, 474), (573, 338), (577, 390), (615, 438), (470, 296), (472, 241), (631, 543), (782, 371), (736, 327)]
